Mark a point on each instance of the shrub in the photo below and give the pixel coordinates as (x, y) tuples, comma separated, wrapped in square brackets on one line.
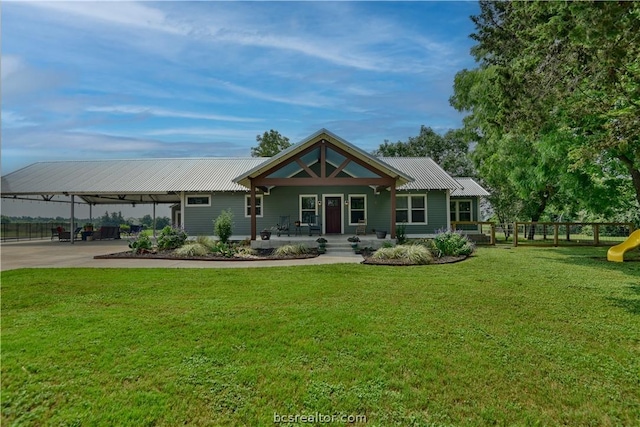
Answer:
[(452, 243), (401, 233), (223, 249), (171, 238), (291, 250), (206, 241), (141, 244), (414, 254), (223, 225), (245, 252), (192, 249)]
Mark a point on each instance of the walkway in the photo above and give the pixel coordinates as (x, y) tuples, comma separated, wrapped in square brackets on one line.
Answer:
[(47, 254)]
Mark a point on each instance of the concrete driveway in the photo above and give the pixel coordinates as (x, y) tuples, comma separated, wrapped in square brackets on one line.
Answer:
[(52, 254)]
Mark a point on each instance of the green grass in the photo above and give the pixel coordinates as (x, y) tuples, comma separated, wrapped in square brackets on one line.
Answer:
[(523, 336)]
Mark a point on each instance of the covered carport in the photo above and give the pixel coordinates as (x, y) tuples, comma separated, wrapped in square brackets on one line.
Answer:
[(110, 182)]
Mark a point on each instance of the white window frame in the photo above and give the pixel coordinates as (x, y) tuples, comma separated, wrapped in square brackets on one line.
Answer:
[(247, 205), (198, 205), (457, 208), (409, 208), (315, 205), (358, 196)]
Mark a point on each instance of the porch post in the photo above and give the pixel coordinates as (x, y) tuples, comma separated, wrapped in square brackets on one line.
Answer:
[(392, 187), (253, 211), (73, 221)]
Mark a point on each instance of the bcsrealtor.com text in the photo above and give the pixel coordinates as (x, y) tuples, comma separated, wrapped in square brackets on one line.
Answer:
[(319, 418)]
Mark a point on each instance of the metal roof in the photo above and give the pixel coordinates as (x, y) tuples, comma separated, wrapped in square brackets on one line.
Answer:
[(163, 178), (426, 174), (470, 188)]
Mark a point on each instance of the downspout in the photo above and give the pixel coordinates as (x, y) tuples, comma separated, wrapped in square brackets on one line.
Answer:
[(181, 209), (448, 198)]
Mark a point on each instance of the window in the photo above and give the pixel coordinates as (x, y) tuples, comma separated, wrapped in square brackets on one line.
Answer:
[(411, 209), (247, 205), (198, 200), (308, 207), (460, 210), (357, 209)]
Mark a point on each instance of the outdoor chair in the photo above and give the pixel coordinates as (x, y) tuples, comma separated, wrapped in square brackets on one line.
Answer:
[(135, 229), (362, 227), (315, 225), (55, 232), (283, 225)]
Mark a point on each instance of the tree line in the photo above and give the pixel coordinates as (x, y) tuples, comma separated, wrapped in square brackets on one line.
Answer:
[(552, 125), (108, 219)]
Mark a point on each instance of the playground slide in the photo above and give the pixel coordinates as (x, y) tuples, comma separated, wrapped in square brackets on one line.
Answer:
[(616, 253)]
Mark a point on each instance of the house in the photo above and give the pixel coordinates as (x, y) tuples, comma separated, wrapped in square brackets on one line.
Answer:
[(322, 176)]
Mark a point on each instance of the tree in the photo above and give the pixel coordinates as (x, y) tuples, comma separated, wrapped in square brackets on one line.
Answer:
[(554, 102), (451, 152), (269, 144)]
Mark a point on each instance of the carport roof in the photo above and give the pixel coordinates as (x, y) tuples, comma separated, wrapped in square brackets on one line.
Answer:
[(127, 181)]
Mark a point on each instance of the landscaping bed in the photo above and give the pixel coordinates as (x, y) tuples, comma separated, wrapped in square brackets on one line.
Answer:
[(405, 262), (261, 255)]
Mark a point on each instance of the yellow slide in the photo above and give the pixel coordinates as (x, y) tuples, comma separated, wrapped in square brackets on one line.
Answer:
[(616, 253)]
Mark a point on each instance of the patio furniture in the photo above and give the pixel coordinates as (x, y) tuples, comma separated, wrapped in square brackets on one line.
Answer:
[(362, 227), (65, 236), (314, 225), (135, 229), (55, 232), (107, 232), (283, 225)]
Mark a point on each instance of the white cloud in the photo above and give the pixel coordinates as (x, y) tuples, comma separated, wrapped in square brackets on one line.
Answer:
[(11, 120), (115, 13), (161, 112)]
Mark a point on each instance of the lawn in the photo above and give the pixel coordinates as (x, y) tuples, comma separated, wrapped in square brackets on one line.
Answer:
[(512, 336)]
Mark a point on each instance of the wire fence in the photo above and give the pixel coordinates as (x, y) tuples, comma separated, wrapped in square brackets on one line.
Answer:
[(571, 233), (481, 232), (30, 231)]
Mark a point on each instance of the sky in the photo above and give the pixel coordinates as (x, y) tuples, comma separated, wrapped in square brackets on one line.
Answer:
[(115, 80)]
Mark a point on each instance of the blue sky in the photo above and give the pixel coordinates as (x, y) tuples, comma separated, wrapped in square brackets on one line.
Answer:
[(108, 80)]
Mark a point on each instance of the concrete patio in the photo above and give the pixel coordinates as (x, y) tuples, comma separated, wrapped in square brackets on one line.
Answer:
[(55, 254)]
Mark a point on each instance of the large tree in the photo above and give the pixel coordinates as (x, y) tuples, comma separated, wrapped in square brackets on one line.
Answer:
[(450, 151), (555, 101), (269, 144)]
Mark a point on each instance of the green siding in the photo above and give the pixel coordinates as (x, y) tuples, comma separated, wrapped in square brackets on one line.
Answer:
[(285, 201)]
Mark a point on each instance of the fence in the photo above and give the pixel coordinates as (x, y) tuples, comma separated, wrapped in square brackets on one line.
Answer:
[(481, 232), (29, 231), (571, 233)]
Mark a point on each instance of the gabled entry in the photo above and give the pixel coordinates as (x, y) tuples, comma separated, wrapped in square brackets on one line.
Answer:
[(324, 159)]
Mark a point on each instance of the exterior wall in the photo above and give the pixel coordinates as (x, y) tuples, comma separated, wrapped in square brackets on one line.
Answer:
[(475, 212), (198, 220)]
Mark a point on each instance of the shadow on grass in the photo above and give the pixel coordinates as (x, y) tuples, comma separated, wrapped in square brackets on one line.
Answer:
[(630, 304), (597, 257)]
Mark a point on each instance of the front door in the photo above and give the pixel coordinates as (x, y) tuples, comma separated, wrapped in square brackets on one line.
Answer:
[(333, 215)]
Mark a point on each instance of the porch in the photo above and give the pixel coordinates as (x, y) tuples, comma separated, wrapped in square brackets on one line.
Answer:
[(336, 243)]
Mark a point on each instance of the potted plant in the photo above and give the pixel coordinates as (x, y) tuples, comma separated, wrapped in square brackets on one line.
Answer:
[(322, 245), (265, 234), (88, 226), (297, 223), (354, 242), (381, 234)]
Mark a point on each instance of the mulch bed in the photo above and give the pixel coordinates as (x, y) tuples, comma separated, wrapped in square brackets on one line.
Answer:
[(399, 262), (262, 255)]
